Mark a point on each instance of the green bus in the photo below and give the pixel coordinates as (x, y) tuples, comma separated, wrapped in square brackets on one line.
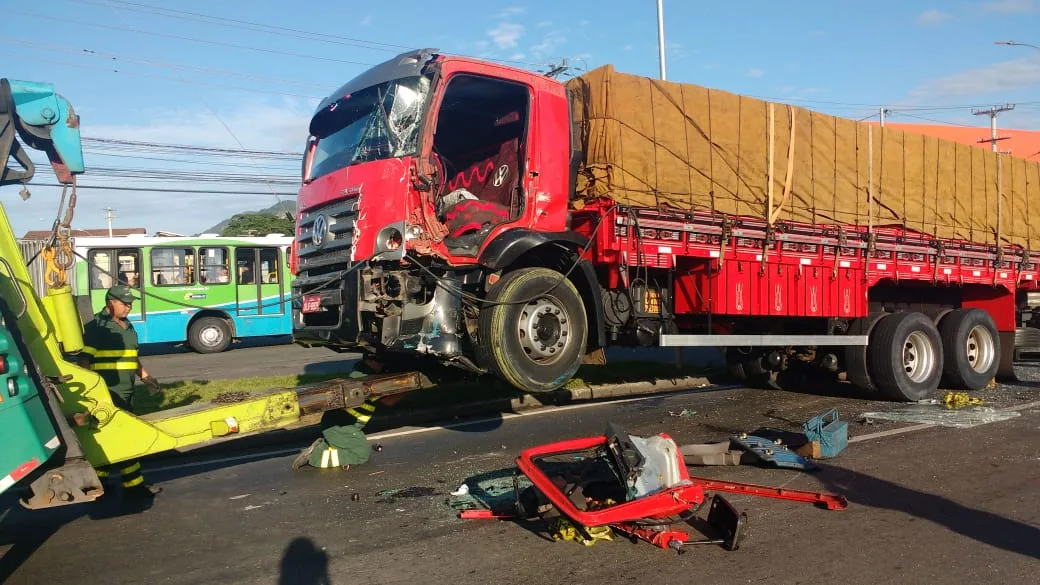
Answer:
[(205, 290)]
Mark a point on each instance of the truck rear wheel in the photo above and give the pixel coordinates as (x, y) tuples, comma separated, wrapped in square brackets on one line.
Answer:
[(971, 348), (905, 356), (209, 335), (533, 334)]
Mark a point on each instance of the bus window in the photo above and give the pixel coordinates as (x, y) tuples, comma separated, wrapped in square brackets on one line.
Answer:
[(129, 267), (102, 267), (245, 265), (269, 269), (109, 267), (213, 266), (173, 266)]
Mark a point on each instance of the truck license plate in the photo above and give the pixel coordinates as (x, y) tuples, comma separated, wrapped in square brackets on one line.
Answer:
[(311, 303)]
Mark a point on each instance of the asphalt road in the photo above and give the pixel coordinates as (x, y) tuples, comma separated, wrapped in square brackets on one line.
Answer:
[(937, 505)]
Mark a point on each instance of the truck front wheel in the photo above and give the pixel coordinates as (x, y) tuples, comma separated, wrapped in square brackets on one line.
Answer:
[(532, 331)]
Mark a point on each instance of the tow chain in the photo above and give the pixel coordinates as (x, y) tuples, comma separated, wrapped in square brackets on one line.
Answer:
[(58, 254)]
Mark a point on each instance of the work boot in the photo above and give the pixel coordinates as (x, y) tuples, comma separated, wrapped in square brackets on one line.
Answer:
[(142, 491), (305, 456)]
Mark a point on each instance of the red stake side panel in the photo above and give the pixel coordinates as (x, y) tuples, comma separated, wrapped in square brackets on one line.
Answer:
[(725, 267)]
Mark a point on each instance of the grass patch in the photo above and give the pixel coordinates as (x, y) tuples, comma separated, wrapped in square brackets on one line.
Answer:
[(186, 392)]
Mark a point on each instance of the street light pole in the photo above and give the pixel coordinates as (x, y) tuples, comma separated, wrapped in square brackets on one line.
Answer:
[(1016, 44), (660, 36)]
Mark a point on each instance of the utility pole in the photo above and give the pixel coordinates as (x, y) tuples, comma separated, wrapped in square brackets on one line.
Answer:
[(108, 216), (992, 112), (883, 110), (660, 36)]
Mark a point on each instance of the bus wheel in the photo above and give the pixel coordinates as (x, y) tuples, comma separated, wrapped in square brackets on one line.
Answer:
[(533, 334), (209, 335), (905, 356), (972, 351)]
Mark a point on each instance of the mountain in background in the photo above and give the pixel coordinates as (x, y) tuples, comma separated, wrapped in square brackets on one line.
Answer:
[(278, 209)]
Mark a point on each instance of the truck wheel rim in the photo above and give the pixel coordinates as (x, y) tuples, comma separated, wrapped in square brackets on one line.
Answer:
[(211, 336), (544, 329), (919, 357), (980, 349)]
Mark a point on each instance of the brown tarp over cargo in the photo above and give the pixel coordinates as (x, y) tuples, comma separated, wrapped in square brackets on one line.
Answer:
[(650, 143)]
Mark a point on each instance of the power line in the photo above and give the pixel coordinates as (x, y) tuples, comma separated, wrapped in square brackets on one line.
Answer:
[(268, 28), (164, 190), (248, 25), (154, 63), (207, 149), (156, 76), (190, 39)]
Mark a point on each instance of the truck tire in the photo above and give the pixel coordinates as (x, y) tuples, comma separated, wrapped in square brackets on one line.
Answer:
[(905, 356), (209, 335), (857, 372), (533, 339), (971, 347)]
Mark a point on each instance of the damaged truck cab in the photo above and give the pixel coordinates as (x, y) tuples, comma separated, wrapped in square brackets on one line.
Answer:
[(423, 179)]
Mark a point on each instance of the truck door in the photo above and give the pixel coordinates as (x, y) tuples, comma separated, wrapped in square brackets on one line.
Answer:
[(479, 150)]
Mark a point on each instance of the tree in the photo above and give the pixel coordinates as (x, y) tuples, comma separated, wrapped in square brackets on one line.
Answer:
[(258, 224)]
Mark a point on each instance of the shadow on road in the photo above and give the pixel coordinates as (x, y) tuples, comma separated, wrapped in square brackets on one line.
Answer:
[(304, 564), (979, 525), (25, 531)]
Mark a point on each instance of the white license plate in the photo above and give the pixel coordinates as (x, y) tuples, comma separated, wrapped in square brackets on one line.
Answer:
[(311, 303)]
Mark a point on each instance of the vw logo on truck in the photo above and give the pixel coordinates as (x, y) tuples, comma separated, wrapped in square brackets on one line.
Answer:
[(321, 228)]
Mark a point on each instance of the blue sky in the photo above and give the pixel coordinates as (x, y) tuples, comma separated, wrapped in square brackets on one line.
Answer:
[(135, 72)]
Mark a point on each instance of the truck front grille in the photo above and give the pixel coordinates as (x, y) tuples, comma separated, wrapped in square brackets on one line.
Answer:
[(332, 253)]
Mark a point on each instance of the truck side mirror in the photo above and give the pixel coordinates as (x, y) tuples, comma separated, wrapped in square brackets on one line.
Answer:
[(308, 158)]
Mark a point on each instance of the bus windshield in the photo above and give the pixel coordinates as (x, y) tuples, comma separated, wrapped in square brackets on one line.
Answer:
[(375, 123)]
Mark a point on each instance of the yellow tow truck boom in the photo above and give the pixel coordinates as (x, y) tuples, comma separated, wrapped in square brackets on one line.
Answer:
[(91, 429)]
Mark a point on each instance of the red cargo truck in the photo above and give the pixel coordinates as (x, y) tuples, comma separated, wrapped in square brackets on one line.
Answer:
[(438, 216)]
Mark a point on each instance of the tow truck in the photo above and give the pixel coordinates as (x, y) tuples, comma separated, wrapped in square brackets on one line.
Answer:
[(58, 422)]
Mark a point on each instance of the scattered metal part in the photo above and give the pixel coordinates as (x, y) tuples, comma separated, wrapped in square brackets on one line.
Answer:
[(355, 497), (230, 397)]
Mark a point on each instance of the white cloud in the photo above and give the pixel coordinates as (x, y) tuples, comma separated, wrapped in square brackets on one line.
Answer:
[(627, 47), (511, 12), (756, 72), (367, 20), (544, 24), (506, 34), (549, 46), (1010, 6), (933, 17), (992, 79), (517, 56)]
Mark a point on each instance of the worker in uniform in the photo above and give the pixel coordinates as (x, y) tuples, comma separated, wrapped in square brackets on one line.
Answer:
[(343, 442), (110, 348)]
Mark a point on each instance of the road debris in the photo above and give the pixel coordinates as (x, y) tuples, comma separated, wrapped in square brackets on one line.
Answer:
[(963, 418), (390, 495), (230, 397), (239, 497), (686, 412), (960, 400), (355, 497), (251, 507), (462, 491), (628, 484)]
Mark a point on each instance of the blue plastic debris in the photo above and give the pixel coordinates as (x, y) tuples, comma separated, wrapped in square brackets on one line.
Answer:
[(773, 453), (831, 433)]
